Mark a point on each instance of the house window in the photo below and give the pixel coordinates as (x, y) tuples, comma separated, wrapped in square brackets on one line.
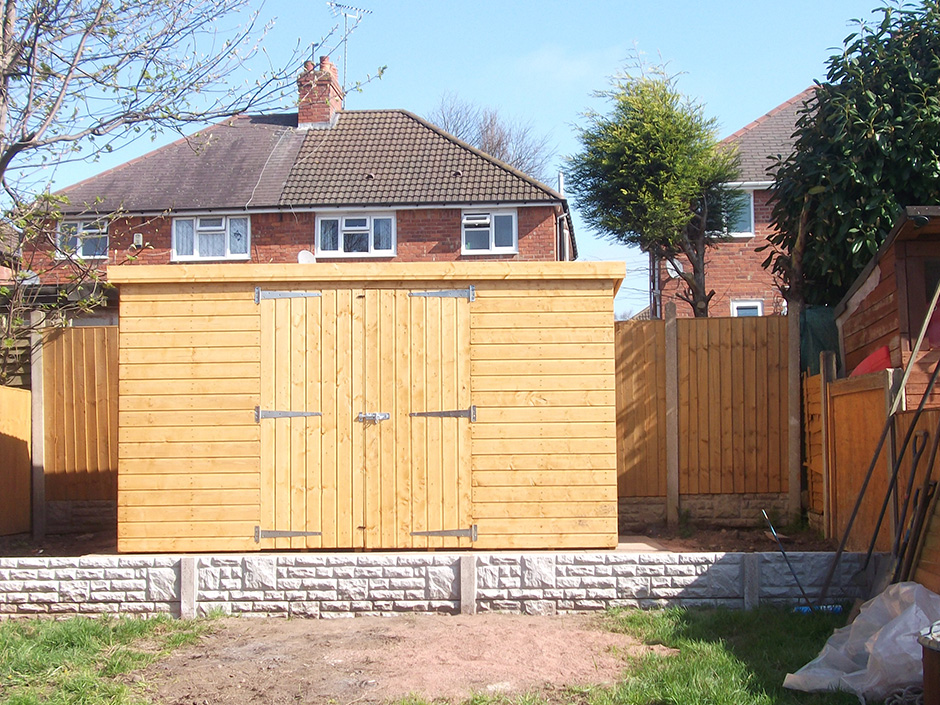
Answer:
[(211, 238), (359, 235), (742, 224), (742, 308), (85, 239), (486, 233)]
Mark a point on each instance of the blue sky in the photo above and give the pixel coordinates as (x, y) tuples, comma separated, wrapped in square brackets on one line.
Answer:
[(541, 62)]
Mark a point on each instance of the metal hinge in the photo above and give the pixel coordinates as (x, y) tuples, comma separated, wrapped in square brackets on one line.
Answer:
[(270, 414), (261, 295), (470, 293), (373, 417), (470, 413), (265, 534), (470, 533)]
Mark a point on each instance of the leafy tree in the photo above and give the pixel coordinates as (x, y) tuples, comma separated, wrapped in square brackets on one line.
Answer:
[(652, 173), (868, 144), (515, 143), (79, 78)]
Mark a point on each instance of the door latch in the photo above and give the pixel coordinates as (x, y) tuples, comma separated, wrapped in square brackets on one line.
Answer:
[(373, 417)]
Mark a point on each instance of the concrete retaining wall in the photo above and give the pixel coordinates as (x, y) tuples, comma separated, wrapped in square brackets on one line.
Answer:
[(350, 584)]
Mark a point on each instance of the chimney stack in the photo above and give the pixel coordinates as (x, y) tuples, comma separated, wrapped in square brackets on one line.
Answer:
[(320, 95)]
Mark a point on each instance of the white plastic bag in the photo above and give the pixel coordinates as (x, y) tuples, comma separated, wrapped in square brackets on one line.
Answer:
[(878, 653)]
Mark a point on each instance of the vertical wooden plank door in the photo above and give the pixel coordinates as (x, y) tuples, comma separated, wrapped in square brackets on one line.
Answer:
[(358, 477)]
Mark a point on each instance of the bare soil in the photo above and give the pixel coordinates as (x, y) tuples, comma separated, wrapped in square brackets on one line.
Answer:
[(685, 539), (370, 660)]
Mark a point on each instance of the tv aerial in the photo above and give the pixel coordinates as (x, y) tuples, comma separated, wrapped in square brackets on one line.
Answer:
[(348, 12)]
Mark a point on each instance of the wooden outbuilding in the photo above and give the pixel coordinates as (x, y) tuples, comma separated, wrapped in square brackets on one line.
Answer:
[(882, 313), (367, 406)]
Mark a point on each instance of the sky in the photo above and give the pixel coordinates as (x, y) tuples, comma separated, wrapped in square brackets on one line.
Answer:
[(541, 62)]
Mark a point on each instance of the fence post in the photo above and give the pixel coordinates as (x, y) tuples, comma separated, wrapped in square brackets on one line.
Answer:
[(794, 427), (37, 435), (827, 373), (672, 417)]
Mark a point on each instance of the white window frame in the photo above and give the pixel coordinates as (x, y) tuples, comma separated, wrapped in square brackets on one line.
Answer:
[(341, 217), (737, 304), (175, 256), (466, 217), (97, 226), (750, 208)]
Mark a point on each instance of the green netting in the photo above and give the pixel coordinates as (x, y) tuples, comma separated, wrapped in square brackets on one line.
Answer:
[(818, 332)]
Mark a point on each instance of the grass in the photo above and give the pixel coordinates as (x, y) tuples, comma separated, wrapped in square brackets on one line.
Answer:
[(77, 661), (714, 657)]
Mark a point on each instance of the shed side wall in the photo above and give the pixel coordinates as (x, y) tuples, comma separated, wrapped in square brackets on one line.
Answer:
[(544, 444), (189, 446)]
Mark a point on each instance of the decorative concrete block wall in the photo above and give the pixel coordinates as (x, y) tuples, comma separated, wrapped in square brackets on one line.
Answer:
[(731, 510), (351, 584)]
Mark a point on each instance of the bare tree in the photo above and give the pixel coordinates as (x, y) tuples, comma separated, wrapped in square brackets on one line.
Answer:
[(79, 78), (514, 142)]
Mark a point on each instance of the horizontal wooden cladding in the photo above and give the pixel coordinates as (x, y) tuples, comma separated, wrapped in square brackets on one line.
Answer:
[(353, 273), (542, 336), (209, 497), (157, 528), (192, 513), (189, 434), (80, 401), (184, 370), (185, 306), (229, 479), (557, 461), (536, 367), (544, 414), (565, 352), (188, 324), (542, 478), (546, 509), (203, 339), (541, 399), (542, 493), (187, 449), (500, 319), (534, 446), (525, 383), (185, 403), (188, 387), (151, 356), (531, 431), (203, 417), (556, 302), (184, 545), (555, 525)]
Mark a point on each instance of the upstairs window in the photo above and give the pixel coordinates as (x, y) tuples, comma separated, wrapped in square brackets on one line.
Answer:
[(742, 224), (84, 239), (356, 236), (217, 237), (486, 233)]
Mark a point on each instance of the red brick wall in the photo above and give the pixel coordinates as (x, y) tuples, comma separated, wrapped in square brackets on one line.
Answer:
[(424, 235), (733, 269)]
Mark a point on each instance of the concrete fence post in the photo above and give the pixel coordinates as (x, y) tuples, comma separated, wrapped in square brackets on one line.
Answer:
[(468, 585), (672, 417)]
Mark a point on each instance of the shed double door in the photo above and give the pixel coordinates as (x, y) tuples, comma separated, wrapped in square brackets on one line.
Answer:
[(365, 472)]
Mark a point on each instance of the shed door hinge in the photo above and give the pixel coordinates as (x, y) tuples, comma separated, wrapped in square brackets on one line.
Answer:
[(470, 413), (470, 533), (265, 534), (261, 295), (271, 414), (470, 293)]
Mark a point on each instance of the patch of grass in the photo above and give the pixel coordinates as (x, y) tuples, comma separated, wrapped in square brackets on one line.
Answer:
[(76, 661)]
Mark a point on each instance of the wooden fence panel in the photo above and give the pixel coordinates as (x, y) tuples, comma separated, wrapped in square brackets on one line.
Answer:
[(15, 425), (80, 390), (732, 405), (641, 408), (857, 409), (813, 442)]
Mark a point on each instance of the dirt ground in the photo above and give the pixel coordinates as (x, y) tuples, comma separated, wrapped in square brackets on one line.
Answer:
[(685, 539), (373, 660)]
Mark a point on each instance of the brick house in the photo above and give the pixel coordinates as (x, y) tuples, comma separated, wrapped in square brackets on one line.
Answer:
[(325, 184), (733, 267)]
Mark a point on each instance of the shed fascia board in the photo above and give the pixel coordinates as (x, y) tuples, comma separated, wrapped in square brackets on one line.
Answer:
[(366, 271)]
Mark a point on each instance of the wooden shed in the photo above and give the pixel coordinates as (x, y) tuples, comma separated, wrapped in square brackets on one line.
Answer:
[(367, 406), (886, 305)]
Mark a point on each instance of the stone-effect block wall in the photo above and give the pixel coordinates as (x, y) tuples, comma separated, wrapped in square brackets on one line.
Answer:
[(728, 510), (350, 584)]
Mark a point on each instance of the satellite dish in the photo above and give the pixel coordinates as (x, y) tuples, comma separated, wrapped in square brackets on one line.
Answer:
[(306, 257), (674, 270)]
